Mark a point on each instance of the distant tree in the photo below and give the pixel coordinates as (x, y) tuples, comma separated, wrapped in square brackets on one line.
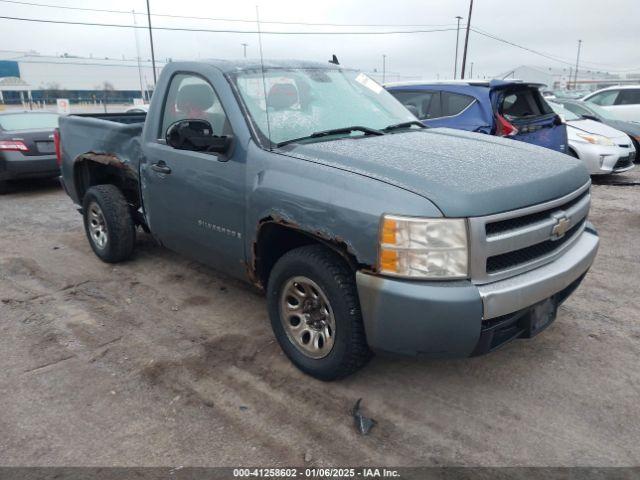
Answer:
[(107, 91), (53, 91)]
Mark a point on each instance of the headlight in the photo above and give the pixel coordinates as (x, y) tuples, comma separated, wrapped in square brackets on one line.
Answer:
[(434, 248), (596, 139)]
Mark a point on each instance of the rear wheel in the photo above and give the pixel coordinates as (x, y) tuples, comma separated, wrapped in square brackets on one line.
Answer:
[(315, 312), (108, 223), (4, 187)]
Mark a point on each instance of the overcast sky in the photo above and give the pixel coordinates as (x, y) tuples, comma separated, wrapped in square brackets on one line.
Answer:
[(610, 30)]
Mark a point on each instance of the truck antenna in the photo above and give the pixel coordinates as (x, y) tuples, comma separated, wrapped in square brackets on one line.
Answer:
[(264, 82)]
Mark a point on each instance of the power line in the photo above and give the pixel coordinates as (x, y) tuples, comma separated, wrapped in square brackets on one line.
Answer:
[(217, 19), (545, 55), (208, 30)]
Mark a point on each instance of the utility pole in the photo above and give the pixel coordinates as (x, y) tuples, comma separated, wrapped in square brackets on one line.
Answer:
[(135, 32), (471, 71), (455, 65), (466, 39), (384, 68), (570, 77), (245, 45), (575, 82), (153, 55)]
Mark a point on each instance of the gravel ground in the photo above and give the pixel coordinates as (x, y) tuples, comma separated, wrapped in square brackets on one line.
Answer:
[(162, 361)]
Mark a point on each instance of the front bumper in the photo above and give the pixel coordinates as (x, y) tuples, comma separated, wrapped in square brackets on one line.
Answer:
[(15, 165), (458, 318), (604, 159)]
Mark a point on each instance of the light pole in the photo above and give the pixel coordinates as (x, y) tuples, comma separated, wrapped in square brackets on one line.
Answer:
[(384, 68), (244, 46), (466, 40), (471, 71), (153, 56), (455, 65), (575, 82)]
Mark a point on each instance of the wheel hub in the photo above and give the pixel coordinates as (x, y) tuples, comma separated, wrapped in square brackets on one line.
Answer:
[(307, 317), (97, 226)]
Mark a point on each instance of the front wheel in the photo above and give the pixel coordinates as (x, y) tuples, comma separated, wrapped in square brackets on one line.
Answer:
[(108, 223), (315, 313)]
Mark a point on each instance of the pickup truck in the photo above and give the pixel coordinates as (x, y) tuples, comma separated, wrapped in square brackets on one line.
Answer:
[(367, 231)]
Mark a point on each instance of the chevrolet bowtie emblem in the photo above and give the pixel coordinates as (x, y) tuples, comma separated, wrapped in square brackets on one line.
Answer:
[(560, 228)]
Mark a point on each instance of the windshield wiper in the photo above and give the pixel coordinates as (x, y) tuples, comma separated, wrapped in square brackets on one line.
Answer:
[(398, 126), (333, 131)]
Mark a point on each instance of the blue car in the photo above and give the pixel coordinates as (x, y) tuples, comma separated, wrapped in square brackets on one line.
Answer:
[(504, 108)]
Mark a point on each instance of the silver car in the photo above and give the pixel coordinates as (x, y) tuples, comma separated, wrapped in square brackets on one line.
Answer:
[(603, 149)]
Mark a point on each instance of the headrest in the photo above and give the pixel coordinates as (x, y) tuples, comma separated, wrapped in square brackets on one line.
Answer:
[(282, 96), (199, 96)]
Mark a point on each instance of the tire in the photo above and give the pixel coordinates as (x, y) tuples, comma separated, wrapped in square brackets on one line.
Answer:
[(108, 223), (4, 187), (344, 349)]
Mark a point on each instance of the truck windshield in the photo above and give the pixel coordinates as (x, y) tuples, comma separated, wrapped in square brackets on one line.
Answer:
[(301, 102)]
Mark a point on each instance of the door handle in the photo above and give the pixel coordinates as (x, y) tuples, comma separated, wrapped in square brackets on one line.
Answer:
[(161, 167)]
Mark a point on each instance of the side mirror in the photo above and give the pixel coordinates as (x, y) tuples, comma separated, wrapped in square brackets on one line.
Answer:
[(197, 136)]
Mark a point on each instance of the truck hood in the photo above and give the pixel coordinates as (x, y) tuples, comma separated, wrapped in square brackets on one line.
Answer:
[(464, 174)]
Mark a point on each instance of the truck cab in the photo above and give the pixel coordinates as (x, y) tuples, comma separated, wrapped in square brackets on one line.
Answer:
[(367, 231)]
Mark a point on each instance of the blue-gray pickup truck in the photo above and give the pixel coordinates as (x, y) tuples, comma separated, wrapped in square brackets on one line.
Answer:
[(367, 231)]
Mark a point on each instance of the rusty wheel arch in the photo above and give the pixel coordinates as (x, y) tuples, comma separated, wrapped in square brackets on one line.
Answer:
[(95, 168), (260, 264)]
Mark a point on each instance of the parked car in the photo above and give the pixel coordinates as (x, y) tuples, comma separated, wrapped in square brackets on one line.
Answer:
[(367, 230), (138, 109), (511, 109), (27, 146), (603, 149), (624, 101), (591, 111)]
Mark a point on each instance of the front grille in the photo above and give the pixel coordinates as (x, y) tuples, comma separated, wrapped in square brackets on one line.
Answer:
[(513, 242), (526, 220), (624, 162), (528, 254)]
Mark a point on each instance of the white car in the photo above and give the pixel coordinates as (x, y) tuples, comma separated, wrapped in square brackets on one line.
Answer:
[(138, 109), (623, 100), (603, 149)]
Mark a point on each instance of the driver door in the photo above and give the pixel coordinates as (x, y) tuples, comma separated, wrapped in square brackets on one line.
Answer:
[(194, 201)]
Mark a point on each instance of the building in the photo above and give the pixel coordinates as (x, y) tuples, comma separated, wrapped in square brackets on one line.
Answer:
[(556, 78), (32, 77)]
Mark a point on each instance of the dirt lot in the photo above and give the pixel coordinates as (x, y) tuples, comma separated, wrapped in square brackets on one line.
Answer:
[(162, 361)]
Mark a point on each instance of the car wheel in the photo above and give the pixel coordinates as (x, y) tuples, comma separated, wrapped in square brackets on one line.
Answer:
[(4, 187), (315, 312), (108, 223)]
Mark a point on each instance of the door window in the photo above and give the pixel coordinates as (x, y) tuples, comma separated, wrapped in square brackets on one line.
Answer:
[(604, 98), (191, 97), (629, 96), (454, 103), (425, 103)]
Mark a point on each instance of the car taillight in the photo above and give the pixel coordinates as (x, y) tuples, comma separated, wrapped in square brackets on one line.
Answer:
[(56, 144), (504, 128), (13, 145)]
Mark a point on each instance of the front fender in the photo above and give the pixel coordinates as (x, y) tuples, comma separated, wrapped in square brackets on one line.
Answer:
[(337, 206)]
